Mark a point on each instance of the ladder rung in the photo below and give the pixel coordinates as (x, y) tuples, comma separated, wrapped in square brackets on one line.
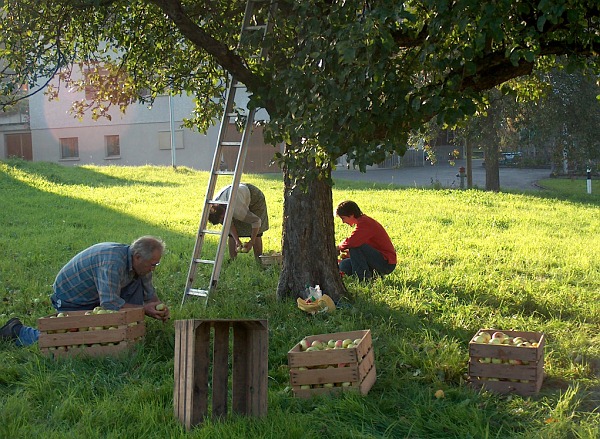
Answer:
[(224, 173), (218, 202), (197, 292), (256, 27), (231, 143), (211, 232), (204, 261)]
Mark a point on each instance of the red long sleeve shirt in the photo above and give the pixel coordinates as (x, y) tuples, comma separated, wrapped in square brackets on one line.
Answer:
[(369, 231)]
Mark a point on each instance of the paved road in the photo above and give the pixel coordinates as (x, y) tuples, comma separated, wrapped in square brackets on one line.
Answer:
[(446, 176)]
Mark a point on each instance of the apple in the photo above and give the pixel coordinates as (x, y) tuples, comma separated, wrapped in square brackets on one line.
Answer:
[(486, 336), (339, 344), (439, 394), (516, 362), (331, 343), (317, 344), (485, 360), (328, 385), (61, 314), (518, 340), (305, 386), (357, 341), (303, 344), (312, 349), (89, 313), (346, 342), (480, 339), (160, 307), (496, 361), (499, 334), (346, 384), (495, 341)]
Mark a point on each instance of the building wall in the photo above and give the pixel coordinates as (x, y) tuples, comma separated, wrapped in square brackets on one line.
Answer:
[(144, 135)]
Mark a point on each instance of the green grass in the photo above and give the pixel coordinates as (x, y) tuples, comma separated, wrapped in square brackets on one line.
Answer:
[(467, 260)]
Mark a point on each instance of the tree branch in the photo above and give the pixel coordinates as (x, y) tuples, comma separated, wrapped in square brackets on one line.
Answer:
[(227, 58)]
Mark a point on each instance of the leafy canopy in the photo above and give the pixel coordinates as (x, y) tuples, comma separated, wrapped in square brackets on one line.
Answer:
[(342, 77)]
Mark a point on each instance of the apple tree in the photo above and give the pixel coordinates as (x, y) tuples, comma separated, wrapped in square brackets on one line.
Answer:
[(347, 77)]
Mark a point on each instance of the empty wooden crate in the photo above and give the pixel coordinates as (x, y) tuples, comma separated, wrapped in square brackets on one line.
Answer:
[(194, 361)]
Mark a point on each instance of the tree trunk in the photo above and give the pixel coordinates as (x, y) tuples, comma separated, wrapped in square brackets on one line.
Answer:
[(308, 241), (492, 170)]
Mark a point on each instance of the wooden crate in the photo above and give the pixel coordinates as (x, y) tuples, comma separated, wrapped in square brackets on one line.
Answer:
[(515, 369), (97, 334), (193, 363), (333, 370), (271, 259)]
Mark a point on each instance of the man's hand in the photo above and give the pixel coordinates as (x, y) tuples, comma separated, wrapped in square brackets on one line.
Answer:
[(157, 310)]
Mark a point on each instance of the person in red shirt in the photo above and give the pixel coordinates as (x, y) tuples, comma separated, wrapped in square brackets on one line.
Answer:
[(368, 249)]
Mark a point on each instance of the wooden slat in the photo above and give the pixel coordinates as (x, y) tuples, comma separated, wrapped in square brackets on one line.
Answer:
[(243, 368), (220, 368)]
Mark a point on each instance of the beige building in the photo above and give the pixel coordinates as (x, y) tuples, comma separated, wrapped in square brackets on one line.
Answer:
[(42, 130)]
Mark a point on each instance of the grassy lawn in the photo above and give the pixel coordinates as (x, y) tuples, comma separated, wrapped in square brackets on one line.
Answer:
[(467, 260)]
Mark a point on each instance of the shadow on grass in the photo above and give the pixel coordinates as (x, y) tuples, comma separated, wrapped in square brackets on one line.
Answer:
[(79, 175)]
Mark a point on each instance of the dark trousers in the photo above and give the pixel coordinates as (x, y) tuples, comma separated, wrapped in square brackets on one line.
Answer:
[(365, 260)]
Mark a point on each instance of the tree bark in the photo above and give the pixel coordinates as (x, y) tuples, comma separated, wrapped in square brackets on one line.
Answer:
[(309, 250), (492, 170)]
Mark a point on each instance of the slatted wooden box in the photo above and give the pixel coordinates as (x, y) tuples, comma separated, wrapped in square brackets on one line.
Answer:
[(194, 360), (94, 335), (334, 370), (508, 368)]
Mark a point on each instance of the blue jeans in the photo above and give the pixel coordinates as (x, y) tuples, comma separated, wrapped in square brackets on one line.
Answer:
[(132, 293), (365, 260)]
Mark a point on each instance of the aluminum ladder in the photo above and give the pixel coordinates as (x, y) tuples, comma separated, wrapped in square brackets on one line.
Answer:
[(257, 19)]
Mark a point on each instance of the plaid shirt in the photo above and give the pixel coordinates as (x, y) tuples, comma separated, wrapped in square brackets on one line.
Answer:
[(97, 275)]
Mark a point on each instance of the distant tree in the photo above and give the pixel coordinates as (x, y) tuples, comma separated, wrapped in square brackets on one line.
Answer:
[(352, 77), (564, 121)]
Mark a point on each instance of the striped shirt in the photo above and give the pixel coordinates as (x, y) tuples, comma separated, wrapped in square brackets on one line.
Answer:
[(96, 276)]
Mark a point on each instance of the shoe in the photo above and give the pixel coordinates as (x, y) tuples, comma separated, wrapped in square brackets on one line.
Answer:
[(7, 332)]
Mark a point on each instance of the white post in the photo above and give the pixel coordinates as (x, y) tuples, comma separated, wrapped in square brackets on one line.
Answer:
[(172, 128), (589, 181)]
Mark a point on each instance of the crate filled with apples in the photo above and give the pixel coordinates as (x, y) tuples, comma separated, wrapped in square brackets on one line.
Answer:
[(94, 333), (507, 361), (334, 362)]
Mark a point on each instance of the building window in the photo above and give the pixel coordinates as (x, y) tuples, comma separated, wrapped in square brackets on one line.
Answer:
[(164, 139), (69, 148), (113, 147)]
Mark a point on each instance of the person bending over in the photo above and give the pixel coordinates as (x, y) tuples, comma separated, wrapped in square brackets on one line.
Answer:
[(109, 275), (250, 218)]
